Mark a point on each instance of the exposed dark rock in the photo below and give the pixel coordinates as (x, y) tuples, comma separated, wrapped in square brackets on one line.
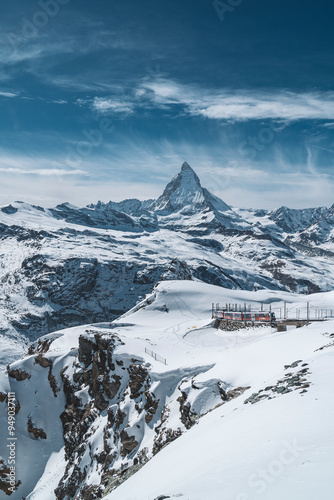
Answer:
[(290, 282), (177, 270), (289, 383), (18, 374), (53, 382), (129, 443), (293, 365), (105, 389), (9, 210), (331, 344), (87, 349), (233, 393), (42, 361), (91, 492), (69, 489), (120, 416), (42, 346), (38, 433), (164, 438), (151, 406), (188, 417), (113, 479), (138, 375), (100, 402)]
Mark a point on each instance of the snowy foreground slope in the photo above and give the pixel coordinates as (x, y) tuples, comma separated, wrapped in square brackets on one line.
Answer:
[(233, 416)]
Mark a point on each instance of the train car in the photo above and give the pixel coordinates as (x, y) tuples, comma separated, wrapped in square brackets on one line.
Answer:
[(235, 316), (264, 316), (254, 316), (219, 314)]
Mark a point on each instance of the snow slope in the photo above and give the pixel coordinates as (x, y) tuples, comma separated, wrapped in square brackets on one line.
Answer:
[(240, 418), (282, 448)]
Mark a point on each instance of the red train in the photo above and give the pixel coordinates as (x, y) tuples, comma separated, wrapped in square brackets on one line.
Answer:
[(245, 316)]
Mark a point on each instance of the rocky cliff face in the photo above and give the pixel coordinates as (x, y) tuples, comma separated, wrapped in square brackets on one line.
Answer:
[(107, 406)]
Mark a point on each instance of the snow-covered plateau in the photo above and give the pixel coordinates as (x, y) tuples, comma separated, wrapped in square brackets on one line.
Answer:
[(159, 404)]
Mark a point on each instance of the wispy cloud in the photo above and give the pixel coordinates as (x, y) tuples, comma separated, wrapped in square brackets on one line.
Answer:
[(58, 101), (18, 165), (242, 105), (328, 125), (4, 93), (41, 172), (48, 53), (117, 104), (219, 104), (81, 83)]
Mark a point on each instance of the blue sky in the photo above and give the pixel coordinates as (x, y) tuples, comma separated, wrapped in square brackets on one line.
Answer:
[(105, 100)]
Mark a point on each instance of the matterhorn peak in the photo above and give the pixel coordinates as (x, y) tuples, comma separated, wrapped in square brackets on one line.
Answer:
[(186, 166), (183, 190), (188, 176)]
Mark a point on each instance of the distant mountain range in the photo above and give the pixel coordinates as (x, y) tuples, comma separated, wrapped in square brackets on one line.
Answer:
[(66, 265)]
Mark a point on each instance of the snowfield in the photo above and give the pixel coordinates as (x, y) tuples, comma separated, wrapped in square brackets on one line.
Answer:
[(239, 415)]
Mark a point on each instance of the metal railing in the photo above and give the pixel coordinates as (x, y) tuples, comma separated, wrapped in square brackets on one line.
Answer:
[(156, 356), (283, 311)]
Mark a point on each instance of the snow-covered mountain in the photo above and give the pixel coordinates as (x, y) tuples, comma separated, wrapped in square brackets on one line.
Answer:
[(294, 220), (159, 404), (319, 234), (67, 266), (184, 205)]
